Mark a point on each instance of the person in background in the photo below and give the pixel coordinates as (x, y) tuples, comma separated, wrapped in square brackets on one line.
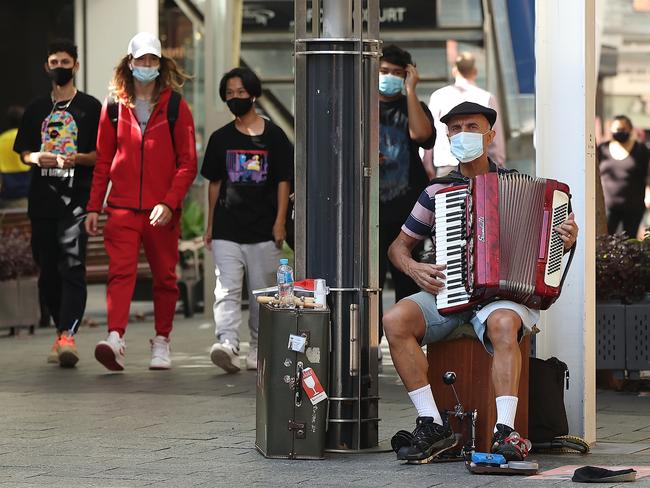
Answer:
[(443, 100), (623, 165), (405, 124), (14, 174), (150, 170), (249, 164), (57, 138)]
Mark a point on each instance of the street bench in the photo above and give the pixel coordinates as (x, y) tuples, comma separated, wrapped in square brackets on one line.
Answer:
[(15, 218)]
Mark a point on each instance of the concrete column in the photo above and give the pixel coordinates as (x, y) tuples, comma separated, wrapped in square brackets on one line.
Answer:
[(565, 143), (103, 29), (223, 19)]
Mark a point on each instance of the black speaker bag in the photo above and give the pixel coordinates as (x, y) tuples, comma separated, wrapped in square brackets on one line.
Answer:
[(547, 415)]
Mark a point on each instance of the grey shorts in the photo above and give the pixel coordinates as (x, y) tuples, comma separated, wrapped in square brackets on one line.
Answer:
[(438, 327)]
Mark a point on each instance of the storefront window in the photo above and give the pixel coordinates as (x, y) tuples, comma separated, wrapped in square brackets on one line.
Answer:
[(459, 13), (183, 42)]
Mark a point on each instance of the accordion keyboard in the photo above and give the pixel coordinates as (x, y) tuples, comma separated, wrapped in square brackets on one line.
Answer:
[(450, 245)]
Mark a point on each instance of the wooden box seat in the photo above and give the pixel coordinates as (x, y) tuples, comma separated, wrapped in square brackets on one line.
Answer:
[(472, 364)]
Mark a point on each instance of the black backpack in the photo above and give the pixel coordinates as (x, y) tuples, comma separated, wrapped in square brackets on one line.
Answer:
[(112, 109), (547, 414)]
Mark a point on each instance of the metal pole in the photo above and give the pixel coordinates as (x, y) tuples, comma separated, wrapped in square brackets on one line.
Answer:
[(337, 16), (336, 199), (222, 30)]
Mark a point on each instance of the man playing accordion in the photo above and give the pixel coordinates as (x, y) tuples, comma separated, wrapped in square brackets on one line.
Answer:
[(416, 321)]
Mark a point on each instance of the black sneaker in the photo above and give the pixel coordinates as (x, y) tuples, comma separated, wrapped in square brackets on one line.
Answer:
[(402, 438), (507, 442), (429, 440)]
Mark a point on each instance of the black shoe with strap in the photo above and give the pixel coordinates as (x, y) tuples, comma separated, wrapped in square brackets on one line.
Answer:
[(429, 440), (507, 442)]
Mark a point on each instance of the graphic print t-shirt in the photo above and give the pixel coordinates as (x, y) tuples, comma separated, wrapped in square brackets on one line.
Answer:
[(249, 168), (60, 129), (401, 174)]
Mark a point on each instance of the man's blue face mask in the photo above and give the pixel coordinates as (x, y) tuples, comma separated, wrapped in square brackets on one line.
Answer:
[(466, 146), (390, 85)]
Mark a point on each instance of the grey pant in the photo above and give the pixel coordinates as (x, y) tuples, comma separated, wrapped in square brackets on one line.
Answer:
[(260, 262)]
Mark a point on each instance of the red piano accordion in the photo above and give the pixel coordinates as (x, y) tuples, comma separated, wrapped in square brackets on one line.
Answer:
[(495, 234)]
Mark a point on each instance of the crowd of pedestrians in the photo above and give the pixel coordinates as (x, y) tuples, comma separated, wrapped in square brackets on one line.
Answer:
[(70, 158)]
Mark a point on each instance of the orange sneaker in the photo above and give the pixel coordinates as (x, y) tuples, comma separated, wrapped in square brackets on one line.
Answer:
[(53, 356), (68, 355)]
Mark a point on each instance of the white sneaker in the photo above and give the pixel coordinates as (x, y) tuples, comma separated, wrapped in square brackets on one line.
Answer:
[(251, 359), (160, 353), (225, 355), (111, 352)]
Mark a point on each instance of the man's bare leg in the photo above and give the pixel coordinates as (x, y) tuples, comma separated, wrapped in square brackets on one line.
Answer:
[(502, 329), (404, 329)]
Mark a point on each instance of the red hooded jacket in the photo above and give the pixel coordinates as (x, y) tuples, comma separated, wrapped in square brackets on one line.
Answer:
[(148, 168)]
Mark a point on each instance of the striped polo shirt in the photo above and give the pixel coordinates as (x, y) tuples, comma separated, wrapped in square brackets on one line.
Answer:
[(420, 222)]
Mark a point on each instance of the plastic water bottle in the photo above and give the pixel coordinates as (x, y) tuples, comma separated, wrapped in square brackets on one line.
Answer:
[(285, 284)]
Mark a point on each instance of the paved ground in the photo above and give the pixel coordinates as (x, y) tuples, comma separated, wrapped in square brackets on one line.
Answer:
[(194, 426)]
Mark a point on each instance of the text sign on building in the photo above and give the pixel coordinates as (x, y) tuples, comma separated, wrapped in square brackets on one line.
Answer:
[(394, 14)]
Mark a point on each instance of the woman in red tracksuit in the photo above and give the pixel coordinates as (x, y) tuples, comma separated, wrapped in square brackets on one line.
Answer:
[(150, 173)]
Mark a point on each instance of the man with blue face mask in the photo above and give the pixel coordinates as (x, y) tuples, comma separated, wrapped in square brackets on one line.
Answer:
[(405, 125), (415, 321)]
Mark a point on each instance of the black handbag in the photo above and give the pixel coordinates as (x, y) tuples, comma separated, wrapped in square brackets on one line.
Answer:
[(546, 412)]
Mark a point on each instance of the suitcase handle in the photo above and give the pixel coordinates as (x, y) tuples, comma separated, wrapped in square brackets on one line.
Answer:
[(299, 386)]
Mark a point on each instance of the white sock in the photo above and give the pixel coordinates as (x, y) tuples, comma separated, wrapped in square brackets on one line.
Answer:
[(423, 400), (506, 411)]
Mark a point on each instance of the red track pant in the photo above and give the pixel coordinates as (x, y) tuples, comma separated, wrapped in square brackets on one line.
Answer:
[(124, 232)]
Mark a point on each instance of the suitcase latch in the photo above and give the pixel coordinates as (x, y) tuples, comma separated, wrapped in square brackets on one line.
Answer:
[(298, 428)]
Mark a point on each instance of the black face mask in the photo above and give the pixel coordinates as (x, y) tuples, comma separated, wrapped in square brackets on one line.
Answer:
[(240, 106), (621, 136), (60, 76)]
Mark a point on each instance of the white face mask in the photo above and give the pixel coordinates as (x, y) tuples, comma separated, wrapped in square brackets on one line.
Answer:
[(466, 146)]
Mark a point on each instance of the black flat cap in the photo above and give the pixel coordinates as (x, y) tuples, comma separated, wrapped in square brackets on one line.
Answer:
[(595, 474), (470, 108)]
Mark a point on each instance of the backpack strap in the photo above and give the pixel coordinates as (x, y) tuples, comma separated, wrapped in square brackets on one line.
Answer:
[(113, 110), (172, 113)]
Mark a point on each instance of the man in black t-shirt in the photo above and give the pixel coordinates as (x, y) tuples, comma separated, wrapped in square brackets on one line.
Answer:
[(57, 138), (405, 125), (249, 163)]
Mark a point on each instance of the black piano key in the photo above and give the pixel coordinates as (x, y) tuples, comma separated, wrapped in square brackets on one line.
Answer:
[(454, 214), (456, 198), (455, 289), (457, 301), (455, 295)]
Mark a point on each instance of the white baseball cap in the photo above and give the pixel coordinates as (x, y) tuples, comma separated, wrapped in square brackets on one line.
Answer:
[(144, 43)]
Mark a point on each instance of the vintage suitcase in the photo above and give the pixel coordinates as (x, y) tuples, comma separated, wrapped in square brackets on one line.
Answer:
[(288, 425)]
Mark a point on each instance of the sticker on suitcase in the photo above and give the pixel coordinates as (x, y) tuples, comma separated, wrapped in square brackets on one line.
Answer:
[(297, 343), (312, 386)]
